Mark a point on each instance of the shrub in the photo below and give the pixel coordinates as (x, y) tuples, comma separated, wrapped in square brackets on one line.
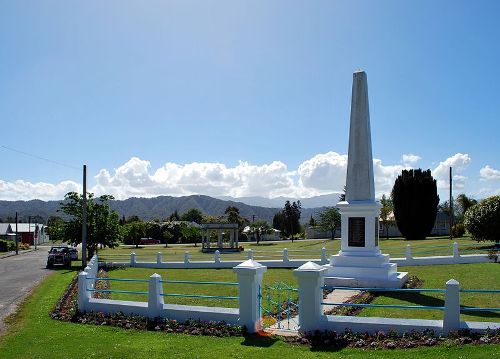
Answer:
[(458, 230), (482, 220), (415, 201)]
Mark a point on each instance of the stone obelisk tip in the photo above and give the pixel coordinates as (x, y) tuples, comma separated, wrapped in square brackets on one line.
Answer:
[(360, 183)]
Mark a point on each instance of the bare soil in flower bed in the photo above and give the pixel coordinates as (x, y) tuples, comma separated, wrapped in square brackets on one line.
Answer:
[(66, 310)]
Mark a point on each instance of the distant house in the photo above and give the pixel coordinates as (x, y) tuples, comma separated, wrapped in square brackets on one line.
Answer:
[(441, 226), (27, 233)]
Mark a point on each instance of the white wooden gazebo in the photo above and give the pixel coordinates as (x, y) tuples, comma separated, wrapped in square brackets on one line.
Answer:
[(220, 229)]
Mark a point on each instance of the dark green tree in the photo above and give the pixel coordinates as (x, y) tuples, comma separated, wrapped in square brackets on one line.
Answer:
[(55, 226), (193, 215), (190, 234), (291, 214), (329, 220), (279, 221), (259, 228), (482, 220), (133, 232), (154, 230), (233, 216), (174, 216), (312, 221), (102, 223), (415, 200)]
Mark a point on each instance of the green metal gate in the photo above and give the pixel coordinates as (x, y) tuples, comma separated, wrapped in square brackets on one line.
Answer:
[(279, 307)]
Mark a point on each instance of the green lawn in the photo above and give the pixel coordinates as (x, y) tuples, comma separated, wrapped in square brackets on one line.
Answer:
[(470, 276), (298, 249), (35, 335)]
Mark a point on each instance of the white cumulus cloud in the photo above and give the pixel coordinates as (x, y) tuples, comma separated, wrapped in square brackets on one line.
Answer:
[(24, 190), (409, 160), (459, 162), (488, 173)]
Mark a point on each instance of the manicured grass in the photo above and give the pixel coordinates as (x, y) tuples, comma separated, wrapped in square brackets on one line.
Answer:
[(35, 335), (470, 276), (299, 249)]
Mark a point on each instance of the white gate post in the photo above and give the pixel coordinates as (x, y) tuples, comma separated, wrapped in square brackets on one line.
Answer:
[(408, 252), (324, 258), (83, 293), (310, 276), (285, 256), (455, 250), (132, 259), (186, 258), (250, 279), (217, 257), (158, 258), (451, 319), (155, 298), (250, 254)]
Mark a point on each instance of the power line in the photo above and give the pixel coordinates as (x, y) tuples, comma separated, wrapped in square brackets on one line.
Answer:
[(40, 158)]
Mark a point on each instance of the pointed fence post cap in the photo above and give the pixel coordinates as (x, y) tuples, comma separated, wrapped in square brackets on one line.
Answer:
[(452, 282), (155, 275), (249, 266), (310, 267)]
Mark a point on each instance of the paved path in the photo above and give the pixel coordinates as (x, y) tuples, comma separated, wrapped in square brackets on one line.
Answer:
[(18, 275), (290, 327)]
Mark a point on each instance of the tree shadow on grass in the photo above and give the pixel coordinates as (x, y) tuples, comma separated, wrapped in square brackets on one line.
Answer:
[(261, 341)]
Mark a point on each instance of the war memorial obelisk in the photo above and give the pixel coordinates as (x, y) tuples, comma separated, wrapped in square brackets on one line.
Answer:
[(359, 262)]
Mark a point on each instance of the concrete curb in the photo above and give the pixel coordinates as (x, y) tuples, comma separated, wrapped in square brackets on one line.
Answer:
[(10, 254)]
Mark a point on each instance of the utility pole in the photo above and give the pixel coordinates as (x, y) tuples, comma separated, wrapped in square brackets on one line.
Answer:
[(451, 205), (84, 218), (17, 241)]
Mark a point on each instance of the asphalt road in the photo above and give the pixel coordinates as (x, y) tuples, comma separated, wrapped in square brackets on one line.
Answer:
[(18, 276)]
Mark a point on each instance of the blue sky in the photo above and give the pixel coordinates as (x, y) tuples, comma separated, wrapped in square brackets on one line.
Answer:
[(243, 98)]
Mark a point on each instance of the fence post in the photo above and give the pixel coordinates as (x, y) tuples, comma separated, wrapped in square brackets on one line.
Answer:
[(408, 252), (324, 259), (250, 275), (132, 259), (455, 250), (451, 319), (217, 256), (186, 258), (155, 298), (83, 293), (158, 258), (285, 255), (250, 254), (310, 277)]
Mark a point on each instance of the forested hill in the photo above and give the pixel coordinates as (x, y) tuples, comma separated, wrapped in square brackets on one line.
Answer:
[(150, 208)]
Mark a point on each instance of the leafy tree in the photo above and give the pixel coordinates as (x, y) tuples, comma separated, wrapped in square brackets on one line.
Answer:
[(292, 212), (329, 220), (133, 232), (385, 213), (175, 230), (102, 223), (415, 201), (233, 216), (154, 230), (312, 221), (55, 227), (259, 228), (279, 221), (193, 215), (191, 234), (174, 216), (463, 203), (482, 220)]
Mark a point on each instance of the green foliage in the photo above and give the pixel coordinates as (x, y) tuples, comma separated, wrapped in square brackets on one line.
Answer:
[(55, 226), (463, 203), (133, 232), (102, 223), (482, 220), (415, 201), (312, 221), (7, 246), (233, 216), (154, 230), (385, 213), (329, 220), (458, 230), (259, 228), (190, 234), (193, 215), (287, 220)]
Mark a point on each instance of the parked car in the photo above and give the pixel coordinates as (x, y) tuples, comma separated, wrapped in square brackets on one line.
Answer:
[(149, 241), (59, 255)]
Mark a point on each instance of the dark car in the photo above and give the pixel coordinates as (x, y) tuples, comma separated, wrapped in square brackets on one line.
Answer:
[(59, 255), (149, 241)]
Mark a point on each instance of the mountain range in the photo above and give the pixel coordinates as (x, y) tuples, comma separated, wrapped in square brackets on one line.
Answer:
[(162, 206)]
